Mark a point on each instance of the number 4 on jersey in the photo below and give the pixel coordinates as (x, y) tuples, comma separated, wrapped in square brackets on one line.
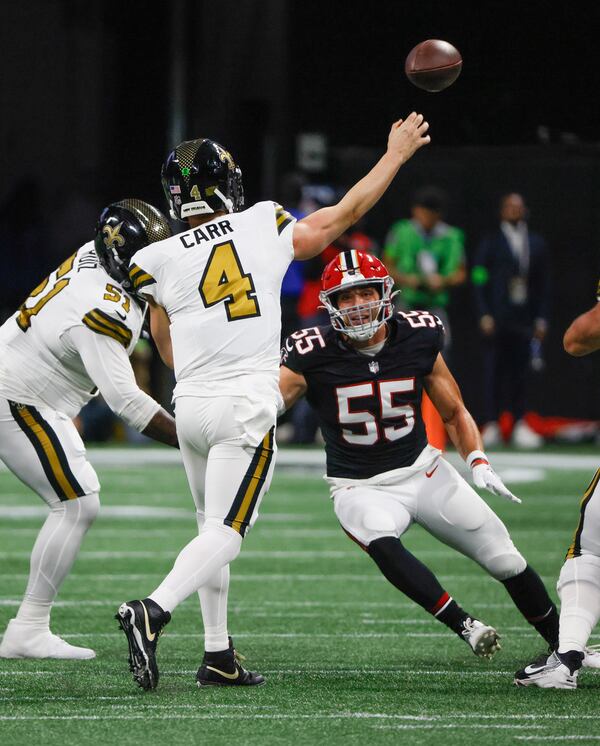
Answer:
[(224, 281)]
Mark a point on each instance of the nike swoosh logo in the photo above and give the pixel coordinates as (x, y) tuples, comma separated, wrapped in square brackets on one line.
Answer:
[(150, 635), (223, 673), (533, 669), (429, 474), (121, 315)]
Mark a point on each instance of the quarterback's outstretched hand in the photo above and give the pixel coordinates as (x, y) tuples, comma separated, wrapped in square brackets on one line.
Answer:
[(408, 135), (484, 476)]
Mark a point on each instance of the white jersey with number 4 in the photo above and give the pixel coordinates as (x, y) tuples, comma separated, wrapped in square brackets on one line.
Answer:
[(39, 364), (220, 285)]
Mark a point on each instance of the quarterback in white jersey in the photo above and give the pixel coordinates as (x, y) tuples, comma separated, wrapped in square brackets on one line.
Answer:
[(70, 339), (219, 284), (214, 296)]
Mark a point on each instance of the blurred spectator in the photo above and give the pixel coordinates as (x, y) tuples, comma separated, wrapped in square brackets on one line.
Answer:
[(357, 239), (510, 278), (425, 256), (315, 196)]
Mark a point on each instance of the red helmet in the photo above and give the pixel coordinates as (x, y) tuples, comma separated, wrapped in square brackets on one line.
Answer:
[(356, 269)]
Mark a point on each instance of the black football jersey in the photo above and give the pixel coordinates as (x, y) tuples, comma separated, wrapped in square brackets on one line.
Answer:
[(369, 407)]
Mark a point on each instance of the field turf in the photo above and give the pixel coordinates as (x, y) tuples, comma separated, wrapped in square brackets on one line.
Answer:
[(348, 659)]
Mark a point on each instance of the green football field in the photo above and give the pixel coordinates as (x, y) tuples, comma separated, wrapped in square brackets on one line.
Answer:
[(348, 660)]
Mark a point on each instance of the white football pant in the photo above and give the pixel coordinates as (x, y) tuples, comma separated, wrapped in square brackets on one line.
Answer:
[(434, 495), (229, 469), (44, 450), (579, 581)]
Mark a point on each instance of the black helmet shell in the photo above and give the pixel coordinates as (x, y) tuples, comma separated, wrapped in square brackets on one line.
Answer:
[(200, 177), (123, 228)]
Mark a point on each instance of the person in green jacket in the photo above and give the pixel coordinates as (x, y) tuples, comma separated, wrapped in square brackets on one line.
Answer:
[(425, 256)]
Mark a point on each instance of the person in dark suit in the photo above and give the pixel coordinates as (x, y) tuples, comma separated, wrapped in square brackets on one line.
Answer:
[(510, 277)]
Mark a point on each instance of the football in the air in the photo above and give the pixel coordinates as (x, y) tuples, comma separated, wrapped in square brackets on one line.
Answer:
[(433, 65)]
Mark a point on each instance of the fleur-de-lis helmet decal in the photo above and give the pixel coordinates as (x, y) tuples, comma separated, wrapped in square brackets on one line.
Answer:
[(123, 228)]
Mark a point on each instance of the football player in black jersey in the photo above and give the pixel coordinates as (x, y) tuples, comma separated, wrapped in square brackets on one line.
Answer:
[(365, 375), (579, 580)]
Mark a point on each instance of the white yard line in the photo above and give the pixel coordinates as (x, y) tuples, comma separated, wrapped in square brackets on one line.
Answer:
[(270, 577), (258, 609), (289, 635), (558, 738), (315, 458), (419, 723), (270, 554), (21, 512), (249, 553)]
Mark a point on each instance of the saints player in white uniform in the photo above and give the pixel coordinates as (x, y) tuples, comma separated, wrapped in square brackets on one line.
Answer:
[(579, 581), (214, 295), (69, 339)]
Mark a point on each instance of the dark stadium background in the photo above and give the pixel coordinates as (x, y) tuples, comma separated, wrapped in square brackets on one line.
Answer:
[(93, 94)]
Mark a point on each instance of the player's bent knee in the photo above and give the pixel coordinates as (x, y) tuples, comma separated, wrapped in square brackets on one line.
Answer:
[(583, 569), (226, 538), (379, 521), (83, 510), (506, 564)]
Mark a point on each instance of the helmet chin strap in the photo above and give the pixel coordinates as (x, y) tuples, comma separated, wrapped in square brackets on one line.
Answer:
[(225, 200)]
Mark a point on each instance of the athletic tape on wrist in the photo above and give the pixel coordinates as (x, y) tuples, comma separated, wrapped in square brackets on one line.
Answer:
[(475, 458)]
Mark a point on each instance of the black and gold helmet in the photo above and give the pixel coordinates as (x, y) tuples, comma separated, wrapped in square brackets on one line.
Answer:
[(199, 178), (126, 227)]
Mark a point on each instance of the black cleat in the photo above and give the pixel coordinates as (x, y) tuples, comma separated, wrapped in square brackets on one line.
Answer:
[(143, 622), (224, 668), (553, 671)]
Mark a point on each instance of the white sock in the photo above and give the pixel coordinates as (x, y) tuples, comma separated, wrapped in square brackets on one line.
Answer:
[(216, 546), (579, 591), (213, 602), (53, 554)]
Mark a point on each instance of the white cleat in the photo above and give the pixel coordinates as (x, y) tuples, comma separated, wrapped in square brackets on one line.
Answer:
[(547, 672), (483, 639), (591, 657), (30, 641)]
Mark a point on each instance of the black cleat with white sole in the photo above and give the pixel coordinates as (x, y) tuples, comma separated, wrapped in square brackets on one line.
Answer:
[(551, 670), (223, 668), (143, 622)]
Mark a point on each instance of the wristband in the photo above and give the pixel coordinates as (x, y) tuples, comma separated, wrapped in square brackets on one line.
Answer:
[(475, 458)]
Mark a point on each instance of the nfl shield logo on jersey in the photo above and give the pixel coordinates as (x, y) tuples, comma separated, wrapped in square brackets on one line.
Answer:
[(374, 367)]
